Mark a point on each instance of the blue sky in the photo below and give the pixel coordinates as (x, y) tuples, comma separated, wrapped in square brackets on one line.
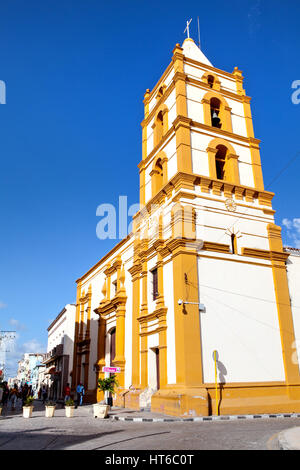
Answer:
[(75, 73)]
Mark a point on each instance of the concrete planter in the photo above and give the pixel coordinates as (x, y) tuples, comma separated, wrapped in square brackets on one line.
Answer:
[(27, 411), (100, 411), (69, 411), (49, 411)]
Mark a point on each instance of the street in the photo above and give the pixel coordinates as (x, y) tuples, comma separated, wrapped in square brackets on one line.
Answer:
[(84, 432)]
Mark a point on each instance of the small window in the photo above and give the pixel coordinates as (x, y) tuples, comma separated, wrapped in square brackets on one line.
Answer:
[(160, 93), (114, 285), (210, 81), (220, 162), (159, 127), (154, 284), (233, 244)]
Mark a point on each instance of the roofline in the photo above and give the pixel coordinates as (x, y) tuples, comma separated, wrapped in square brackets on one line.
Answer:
[(58, 316), (105, 257), (292, 250)]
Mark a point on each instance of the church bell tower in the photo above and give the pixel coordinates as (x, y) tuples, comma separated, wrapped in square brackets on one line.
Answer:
[(201, 170)]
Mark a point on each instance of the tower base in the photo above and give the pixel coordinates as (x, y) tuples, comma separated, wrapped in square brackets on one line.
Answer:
[(181, 401)]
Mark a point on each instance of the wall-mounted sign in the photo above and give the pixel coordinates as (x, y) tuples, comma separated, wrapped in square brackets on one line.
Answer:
[(112, 370)]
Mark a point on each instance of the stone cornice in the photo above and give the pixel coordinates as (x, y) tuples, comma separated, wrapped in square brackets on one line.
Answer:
[(209, 67), (109, 306), (253, 142), (265, 254), (181, 181), (229, 94), (159, 313)]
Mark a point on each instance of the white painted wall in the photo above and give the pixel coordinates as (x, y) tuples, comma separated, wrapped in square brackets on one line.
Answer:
[(293, 272), (62, 332), (240, 321)]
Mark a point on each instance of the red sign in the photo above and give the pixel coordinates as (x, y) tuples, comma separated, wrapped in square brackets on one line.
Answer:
[(113, 370)]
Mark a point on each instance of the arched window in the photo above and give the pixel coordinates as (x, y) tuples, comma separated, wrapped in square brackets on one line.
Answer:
[(159, 128), (158, 176), (215, 107), (160, 92), (210, 81), (220, 162), (223, 161), (216, 111)]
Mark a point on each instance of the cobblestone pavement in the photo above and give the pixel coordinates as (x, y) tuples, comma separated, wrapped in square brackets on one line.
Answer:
[(84, 432)]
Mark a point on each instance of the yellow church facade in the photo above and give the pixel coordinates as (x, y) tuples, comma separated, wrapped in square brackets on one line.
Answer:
[(203, 274)]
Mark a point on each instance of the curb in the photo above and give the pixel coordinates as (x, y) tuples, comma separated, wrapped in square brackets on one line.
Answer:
[(205, 418)]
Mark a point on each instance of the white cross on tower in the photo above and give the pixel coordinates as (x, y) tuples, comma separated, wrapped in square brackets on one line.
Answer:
[(187, 27)]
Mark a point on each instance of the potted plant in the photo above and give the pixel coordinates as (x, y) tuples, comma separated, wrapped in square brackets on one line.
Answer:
[(69, 407), (28, 407), (50, 408), (107, 385)]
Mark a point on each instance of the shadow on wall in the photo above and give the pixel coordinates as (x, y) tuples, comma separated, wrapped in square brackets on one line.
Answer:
[(221, 373)]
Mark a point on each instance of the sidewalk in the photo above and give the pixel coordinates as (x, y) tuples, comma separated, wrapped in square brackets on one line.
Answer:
[(289, 439), (124, 414), (129, 415)]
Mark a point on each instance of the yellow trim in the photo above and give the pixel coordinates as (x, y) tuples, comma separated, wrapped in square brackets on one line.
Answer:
[(135, 271), (282, 294), (239, 81), (187, 323)]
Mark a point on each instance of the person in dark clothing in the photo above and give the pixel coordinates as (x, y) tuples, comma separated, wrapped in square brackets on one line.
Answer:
[(5, 395), (24, 393), (80, 393), (44, 393)]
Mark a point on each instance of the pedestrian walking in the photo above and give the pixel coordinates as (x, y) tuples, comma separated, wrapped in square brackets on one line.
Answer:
[(67, 392), (44, 393), (5, 394), (24, 393), (14, 396), (80, 394)]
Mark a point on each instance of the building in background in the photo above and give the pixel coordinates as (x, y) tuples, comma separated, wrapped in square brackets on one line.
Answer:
[(59, 357), (27, 370), (38, 376)]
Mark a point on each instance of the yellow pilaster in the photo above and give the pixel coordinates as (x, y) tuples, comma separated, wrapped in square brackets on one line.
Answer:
[(239, 81), (81, 317), (76, 334), (256, 167), (88, 326), (206, 111), (146, 103), (135, 273), (211, 152), (187, 325), (182, 128), (119, 360), (100, 355), (226, 118), (144, 311), (232, 169), (278, 257)]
